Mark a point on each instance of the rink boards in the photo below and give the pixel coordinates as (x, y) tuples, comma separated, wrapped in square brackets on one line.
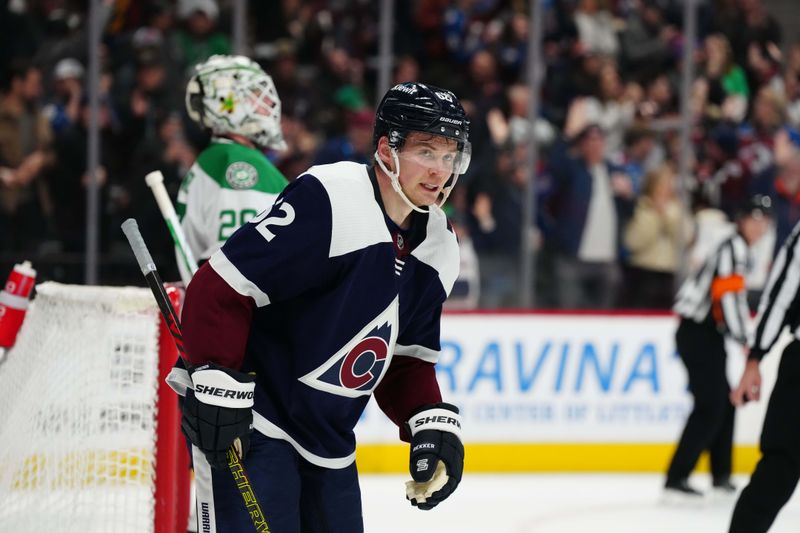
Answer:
[(565, 392)]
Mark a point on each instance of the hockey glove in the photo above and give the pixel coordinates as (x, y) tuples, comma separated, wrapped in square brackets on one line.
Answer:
[(218, 411), (437, 454)]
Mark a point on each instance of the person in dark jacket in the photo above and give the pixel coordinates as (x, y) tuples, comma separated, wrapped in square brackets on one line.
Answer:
[(590, 201)]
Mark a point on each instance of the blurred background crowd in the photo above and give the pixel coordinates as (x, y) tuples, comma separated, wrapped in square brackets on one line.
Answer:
[(612, 217)]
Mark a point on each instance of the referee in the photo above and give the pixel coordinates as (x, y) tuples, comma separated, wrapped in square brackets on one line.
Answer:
[(778, 471), (710, 304)]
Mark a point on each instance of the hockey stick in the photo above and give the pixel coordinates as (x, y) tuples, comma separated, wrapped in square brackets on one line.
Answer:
[(155, 180), (131, 230)]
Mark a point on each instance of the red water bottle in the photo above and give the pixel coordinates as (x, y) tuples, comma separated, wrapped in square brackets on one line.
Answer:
[(14, 302)]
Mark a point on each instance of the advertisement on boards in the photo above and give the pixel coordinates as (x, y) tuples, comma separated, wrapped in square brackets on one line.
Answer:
[(522, 378)]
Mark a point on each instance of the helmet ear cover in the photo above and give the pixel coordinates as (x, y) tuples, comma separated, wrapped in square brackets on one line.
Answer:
[(194, 100)]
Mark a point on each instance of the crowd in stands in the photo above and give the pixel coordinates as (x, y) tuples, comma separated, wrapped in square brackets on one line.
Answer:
[(611, 224)]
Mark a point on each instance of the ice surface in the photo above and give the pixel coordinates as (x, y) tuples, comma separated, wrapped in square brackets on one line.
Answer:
[(555, 503)]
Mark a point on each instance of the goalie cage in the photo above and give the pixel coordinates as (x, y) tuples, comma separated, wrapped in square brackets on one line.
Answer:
[(89, 432)]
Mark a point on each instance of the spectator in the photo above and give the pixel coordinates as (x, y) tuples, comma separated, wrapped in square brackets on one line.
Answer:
[(782, 184), (198, 38), (755, 25), (642, 154), (726, 84), (647, 42), (68, 180), (756, 146), (354, 145), (791, 88), (340, 85), (68, 89), (302, 101), (516, 129), (484, 88), (595, 25), (587, 209), (513, 46), (659, 100), (612, 109), (148, 100), (717, 161), (655, 236), (467, 288), (406, 69), (25, 139), (764, 65), (496, 222)]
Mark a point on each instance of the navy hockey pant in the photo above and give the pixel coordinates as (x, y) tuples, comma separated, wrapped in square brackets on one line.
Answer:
[(710, 424), (295, 495), (778, 471)]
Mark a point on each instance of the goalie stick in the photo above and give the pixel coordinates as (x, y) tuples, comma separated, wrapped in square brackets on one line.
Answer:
[(155, 180), (131, 230)]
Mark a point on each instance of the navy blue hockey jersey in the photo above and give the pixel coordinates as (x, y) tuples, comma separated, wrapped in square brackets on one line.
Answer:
[(333, 293)]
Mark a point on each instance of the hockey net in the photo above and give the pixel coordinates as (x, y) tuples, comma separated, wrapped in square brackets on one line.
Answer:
[(80, 413)]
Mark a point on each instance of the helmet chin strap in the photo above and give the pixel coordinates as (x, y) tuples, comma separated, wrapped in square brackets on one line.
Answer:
[(394, 177)]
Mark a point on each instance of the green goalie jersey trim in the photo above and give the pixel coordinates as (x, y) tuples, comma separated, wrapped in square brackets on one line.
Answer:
[(238, 167)]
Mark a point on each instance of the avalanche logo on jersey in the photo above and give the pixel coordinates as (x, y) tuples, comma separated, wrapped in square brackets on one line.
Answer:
[(357, 368)]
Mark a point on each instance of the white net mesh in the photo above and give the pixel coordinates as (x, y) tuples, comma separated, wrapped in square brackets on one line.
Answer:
[(77, 413)]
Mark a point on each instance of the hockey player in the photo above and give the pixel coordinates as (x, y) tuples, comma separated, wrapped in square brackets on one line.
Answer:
[(232, 180), (331, 296)]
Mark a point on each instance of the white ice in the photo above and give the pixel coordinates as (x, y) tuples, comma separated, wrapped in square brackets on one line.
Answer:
[(555, 503)]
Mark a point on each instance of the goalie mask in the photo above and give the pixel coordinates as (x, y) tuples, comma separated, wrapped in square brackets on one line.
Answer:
[(416, 107), (233, 95)]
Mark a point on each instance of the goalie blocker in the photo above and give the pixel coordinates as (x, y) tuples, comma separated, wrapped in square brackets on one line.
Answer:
[(437, 454)]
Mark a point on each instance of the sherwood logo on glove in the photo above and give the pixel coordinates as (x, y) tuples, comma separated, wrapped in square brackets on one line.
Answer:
[(224, 393), (437, 420), (216, 386)]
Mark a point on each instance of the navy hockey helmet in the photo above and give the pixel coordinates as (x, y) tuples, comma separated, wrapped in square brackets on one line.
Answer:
[(412, 106), (417, 107)]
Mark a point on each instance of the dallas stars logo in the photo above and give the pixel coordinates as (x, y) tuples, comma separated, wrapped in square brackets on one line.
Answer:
[(227, 104), (241, 175)]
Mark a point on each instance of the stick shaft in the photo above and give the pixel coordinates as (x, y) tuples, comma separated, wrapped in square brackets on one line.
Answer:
[(155, 180), (148, 267)]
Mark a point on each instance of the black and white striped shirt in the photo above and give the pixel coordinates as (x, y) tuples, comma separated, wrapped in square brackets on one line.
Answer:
[(779, 302), (718, 290)]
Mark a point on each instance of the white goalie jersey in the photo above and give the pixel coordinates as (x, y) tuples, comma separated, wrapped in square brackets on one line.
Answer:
[(227, 186)]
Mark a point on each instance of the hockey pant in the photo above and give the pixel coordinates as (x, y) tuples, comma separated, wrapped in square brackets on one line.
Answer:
[(295, 495)]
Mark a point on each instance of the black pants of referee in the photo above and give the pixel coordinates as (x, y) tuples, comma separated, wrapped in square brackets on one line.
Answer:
[(778, 471), (710, 424)]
